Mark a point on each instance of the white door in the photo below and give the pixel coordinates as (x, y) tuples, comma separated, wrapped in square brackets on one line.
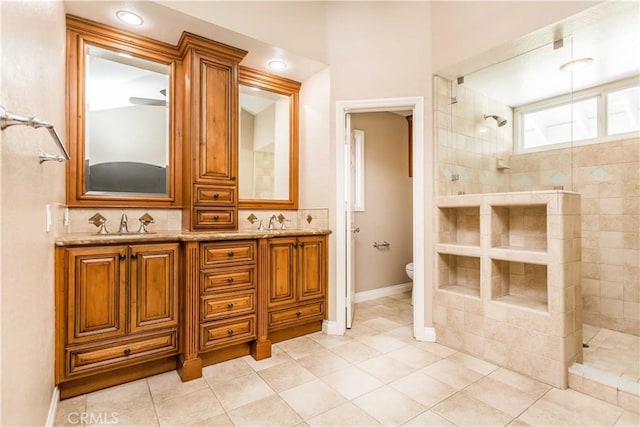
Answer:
[(351, 229)]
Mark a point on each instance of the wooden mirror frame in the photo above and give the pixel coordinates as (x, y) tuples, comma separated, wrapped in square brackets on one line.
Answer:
[(290, 88), (81, 32)]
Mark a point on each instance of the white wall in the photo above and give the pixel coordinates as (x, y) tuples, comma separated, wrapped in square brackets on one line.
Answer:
[(137, 133), (388, 202), (33, 66), (316, 169), (380, 50)]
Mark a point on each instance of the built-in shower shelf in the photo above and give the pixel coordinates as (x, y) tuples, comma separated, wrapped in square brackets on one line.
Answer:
[(524, 302), (462, 290), (463, 250), (510, 262), (519, 255)]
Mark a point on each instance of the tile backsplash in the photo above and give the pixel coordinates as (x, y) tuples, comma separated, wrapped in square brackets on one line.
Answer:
[(171, 219)]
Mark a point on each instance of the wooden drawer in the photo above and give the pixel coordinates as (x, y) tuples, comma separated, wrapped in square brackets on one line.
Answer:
[(227, 305), (88, 358), (227, 332), (299, 314), (216, 253), (227, 279), (214, 218), (214, 196)]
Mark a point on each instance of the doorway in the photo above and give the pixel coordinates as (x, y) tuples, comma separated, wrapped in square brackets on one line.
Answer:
[(421, 234)]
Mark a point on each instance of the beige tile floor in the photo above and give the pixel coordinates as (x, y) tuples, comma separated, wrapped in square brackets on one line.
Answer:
[(374, 375), (612, 352)]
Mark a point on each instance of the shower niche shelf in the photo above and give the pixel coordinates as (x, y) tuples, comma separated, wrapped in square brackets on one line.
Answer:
[(460, 225), (519, 283), (519, 227), (511, 260), (459, 274)]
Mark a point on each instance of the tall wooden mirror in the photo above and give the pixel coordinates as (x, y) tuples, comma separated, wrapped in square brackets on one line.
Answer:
[(268, 129), (121, 109)]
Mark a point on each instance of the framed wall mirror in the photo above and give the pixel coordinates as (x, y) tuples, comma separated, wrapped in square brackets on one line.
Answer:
[(121, 127), (268, 140)]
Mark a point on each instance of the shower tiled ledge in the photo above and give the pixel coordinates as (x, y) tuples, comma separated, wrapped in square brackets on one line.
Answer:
[(610, 388)]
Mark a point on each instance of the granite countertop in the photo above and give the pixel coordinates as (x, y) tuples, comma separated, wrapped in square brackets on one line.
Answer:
[(180, 235)]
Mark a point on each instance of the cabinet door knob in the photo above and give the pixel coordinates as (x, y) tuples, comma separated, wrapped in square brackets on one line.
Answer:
[(230, 332), (134, 255), (233, 178), (216, 195), (230, 253), (230, 280), (301, 244), (127, 351), (295, 245), (230, 305), (122, 256), (298, 314)]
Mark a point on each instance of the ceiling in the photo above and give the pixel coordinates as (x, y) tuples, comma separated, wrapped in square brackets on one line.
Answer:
[(167, 24), (609, 33)]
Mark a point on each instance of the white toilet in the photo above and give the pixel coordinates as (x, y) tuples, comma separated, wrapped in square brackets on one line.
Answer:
[(409, 269)]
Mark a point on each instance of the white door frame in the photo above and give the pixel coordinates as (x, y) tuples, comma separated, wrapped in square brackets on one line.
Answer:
[(420, 189)]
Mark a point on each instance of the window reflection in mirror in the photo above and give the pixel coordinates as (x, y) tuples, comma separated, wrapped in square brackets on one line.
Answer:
[(264, 144), (127, 124)]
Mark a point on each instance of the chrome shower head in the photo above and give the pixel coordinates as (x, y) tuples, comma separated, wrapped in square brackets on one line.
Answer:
[(499, 119)]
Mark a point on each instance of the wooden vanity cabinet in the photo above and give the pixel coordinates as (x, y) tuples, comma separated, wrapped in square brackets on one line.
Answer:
[(116, 306), (210, 156), (227, 294), (296, 285)]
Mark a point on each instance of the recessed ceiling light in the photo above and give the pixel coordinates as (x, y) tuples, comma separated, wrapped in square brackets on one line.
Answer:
[(129, 18), (576, 64), (277, 65)]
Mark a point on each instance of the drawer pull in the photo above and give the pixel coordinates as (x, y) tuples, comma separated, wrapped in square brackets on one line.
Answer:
[(216, 217), (216, 195), (230, 253), (127, 351), (230, 305), (230, 332), (298, 314), (230, 280)]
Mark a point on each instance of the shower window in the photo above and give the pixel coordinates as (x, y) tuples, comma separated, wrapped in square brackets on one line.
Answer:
[(590, 116), (623, 111), (574, 121)]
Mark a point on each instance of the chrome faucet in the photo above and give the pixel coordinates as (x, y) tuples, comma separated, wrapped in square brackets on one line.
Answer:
[(124, 228), (271, 225), (99, 221)]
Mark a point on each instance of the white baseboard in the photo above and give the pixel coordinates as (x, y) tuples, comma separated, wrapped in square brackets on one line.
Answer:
[(426, 334), (383, 292), (330, 327), (53, 408)]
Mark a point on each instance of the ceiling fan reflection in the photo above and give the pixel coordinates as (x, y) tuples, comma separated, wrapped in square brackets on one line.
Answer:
[(149, 101)]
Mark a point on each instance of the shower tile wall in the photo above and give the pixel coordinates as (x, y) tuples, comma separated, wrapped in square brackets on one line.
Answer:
[(468, 145), (607, 176)]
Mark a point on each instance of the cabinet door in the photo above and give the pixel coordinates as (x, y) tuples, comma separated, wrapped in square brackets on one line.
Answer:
[(96, 302), (216, 134), (282, 271), (312, 274), (154, 286)]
